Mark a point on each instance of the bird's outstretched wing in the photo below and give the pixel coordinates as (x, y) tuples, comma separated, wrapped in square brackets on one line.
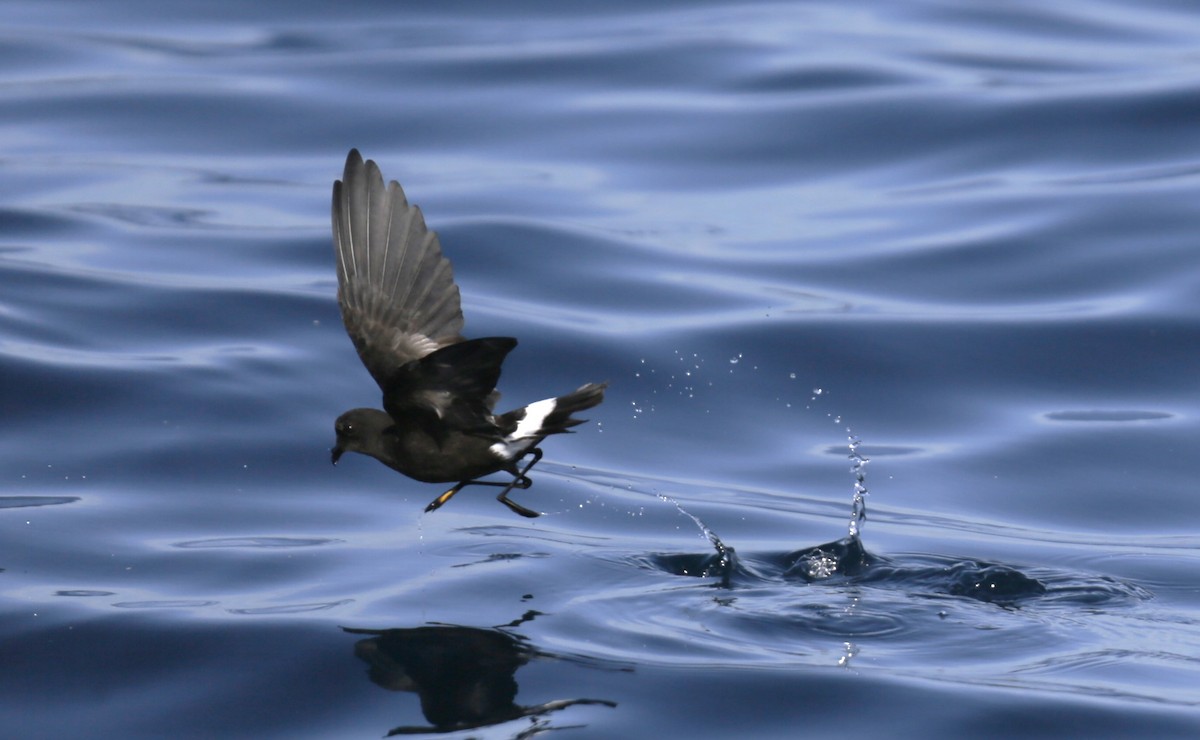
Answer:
[(396, 291)]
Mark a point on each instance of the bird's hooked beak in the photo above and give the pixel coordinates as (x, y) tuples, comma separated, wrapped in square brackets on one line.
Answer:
[(335, 454)]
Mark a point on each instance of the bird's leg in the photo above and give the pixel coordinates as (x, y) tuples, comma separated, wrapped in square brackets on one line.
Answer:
[(537, 455), (437, 502), (521, 481), (517, 508)]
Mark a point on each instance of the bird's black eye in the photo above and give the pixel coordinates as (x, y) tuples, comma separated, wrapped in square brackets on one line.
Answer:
[(345, 428)]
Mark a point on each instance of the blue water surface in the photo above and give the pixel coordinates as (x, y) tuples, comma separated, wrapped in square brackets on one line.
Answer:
[(950, 245)]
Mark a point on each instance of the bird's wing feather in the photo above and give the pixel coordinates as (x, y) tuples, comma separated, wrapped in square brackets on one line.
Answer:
[(395, 289), (452, 388)]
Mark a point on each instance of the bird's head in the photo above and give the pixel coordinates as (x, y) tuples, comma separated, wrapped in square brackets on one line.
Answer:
[(359, 430)]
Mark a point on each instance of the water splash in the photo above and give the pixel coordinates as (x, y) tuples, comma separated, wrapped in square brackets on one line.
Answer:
[(726, 561), (849, 650), (858, 506), (845, 557)]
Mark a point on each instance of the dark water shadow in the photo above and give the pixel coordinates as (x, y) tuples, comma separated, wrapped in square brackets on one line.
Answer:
[(848, 562), (22, 502), (465, 677)]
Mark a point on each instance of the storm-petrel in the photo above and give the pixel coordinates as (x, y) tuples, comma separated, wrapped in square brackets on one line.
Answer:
[(401, 308)]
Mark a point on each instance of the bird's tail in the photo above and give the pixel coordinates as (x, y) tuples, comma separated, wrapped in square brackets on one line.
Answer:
[(523, 428)]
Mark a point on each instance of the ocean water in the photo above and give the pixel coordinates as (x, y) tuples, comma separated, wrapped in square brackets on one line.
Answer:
[(941, 254)]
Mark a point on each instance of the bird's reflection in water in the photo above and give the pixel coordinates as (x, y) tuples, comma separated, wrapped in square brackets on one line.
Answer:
[(464, 676)]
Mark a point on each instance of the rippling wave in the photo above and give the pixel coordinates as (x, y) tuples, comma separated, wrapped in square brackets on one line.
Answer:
[(954, 239)]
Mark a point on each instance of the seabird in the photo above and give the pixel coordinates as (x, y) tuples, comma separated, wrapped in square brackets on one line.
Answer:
[(402, 310)]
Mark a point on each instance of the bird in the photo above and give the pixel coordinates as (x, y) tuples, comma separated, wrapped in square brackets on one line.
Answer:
[(402, 310)]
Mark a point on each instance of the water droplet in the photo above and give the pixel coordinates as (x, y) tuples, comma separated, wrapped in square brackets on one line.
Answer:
[(735, 360), (792, 376)]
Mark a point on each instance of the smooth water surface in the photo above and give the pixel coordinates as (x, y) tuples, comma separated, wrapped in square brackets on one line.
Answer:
[(951, 245)]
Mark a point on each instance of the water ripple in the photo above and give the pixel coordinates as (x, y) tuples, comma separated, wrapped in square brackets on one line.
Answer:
[(269, 543), (292, 608), (165, 604), (20, 502)]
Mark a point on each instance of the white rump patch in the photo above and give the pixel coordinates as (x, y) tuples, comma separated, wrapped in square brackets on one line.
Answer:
[(535, 414), (527, 430)]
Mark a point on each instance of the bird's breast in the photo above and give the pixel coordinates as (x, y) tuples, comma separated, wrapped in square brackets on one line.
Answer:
[(444, 458)]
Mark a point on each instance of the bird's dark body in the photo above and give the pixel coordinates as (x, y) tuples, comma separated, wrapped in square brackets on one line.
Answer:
[(402, 311), (421, 457), (408, 447)]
